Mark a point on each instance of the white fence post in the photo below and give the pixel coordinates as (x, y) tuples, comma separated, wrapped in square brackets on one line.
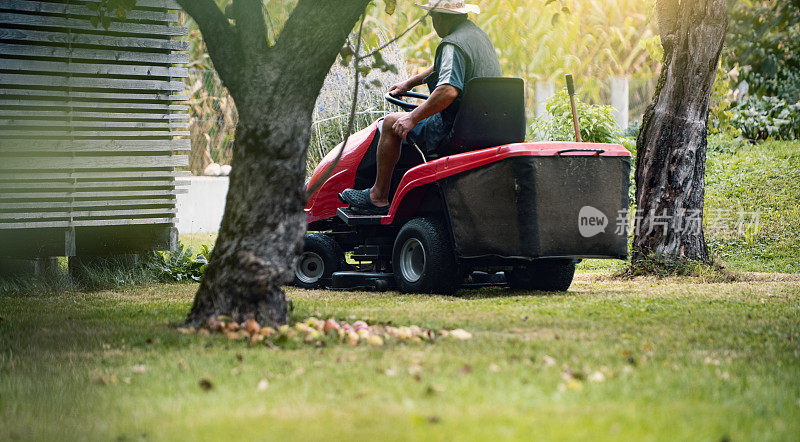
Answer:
[(620, 100), (544, 90)]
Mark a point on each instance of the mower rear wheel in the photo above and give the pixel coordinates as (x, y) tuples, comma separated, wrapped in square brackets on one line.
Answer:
[(552, 275), (321, 257), (423, 260)]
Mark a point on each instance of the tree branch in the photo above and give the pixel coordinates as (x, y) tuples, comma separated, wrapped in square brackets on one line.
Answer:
[(321, 27), (350, 122), (250, 25), (400, 35), (667, 16), (219, 36)]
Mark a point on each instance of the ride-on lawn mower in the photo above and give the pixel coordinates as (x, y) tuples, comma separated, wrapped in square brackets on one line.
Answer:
[(489, 210)]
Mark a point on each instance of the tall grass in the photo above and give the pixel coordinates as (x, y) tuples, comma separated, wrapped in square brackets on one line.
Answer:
[(86, 278), (332, 110), (212, 122)]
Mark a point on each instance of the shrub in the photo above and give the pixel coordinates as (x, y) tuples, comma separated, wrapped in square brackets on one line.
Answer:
[(764, 39), (182, 265), (632, 131), (767, 117), (597, 122)]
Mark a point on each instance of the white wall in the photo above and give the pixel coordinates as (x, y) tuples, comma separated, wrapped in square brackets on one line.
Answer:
[(200, 209)]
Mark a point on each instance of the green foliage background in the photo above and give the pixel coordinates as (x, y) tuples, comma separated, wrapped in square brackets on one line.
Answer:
[(535, 39), (764, 38), (757, 92), (540, 40)]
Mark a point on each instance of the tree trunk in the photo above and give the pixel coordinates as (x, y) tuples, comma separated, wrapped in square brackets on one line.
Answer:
[(671, 148), (261, 230), (274, 88)]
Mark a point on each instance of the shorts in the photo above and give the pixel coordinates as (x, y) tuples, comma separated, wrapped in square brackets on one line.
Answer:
[(430, 134)]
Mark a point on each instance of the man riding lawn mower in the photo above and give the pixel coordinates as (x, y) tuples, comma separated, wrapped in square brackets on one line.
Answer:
[(447, 193)]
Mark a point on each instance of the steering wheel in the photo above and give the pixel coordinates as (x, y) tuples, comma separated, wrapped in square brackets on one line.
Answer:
[(406, 106)]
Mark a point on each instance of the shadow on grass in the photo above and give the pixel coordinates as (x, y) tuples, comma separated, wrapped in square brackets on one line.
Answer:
[(505, 293)]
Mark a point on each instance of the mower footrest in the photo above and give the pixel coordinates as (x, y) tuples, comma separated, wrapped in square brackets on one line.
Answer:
[(353, 219), (364, 280)]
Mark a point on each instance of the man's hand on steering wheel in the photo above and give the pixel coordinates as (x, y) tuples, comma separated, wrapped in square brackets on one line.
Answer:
[(404, 125), (399, 89)]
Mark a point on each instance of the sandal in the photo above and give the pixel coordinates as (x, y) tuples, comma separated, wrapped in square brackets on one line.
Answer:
[(361, 204)]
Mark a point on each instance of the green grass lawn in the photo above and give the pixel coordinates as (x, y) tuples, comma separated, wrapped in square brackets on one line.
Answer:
[(610, 359), (763, 178), (670, 359)]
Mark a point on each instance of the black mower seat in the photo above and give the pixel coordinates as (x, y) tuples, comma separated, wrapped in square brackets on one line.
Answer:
[(492, 113)]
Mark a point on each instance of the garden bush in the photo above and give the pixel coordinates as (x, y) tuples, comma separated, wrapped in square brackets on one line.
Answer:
[(597, 122), (764, 39), (632, 131), (181, 265), (767, 117), (723, 95), (723, 144)]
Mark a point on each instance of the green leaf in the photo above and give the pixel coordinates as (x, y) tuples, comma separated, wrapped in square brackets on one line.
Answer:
[(345, 55), (364, 70), (391, 6)]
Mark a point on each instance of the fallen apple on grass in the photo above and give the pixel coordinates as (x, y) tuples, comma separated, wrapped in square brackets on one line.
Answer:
[(331, 325), (314, 331)]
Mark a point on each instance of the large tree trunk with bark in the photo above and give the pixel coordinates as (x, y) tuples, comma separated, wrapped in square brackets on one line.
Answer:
[(671, 148), (274, 88), (262, 226)]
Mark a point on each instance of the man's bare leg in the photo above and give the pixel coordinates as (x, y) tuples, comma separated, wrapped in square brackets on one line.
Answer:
[(387, 157)]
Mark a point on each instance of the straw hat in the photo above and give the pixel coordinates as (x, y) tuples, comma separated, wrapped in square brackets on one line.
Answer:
[(450, 7)]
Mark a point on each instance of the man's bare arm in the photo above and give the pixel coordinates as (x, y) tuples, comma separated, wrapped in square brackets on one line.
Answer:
[(441, 97), (419, 78)]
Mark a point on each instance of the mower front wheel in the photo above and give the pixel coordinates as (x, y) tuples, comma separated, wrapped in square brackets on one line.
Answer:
[(552, 275), (423, 259), (321, 257)]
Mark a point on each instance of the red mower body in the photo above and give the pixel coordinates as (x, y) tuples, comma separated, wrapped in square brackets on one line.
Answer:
[(324, 203)]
